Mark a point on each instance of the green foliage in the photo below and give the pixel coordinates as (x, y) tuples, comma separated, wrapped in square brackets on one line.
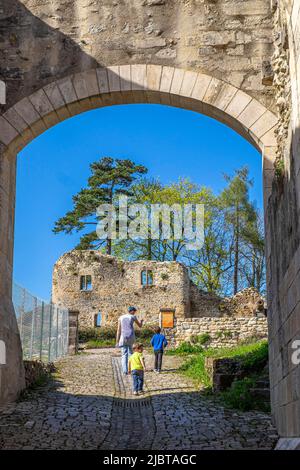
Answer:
[(184, 349), (106, 336), (279, 168), (109, 178), (100, 343), (144, 334), (164, 276), (202, 339), (195, 368), (239, 396), (224, 334), (252, 357), (240, 216), (97, 334)]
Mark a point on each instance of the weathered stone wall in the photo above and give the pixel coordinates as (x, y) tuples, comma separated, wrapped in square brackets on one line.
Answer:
[(246, 303), (224, 332), (282, 226), (50, 39), (36, 371), (204, 304), (116, 285)]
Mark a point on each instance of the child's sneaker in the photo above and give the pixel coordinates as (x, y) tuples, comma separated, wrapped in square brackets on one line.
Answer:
[(154, 370), (141, 392), (135, 393)]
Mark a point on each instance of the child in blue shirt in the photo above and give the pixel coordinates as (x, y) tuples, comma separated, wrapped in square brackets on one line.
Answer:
[(158, 342)]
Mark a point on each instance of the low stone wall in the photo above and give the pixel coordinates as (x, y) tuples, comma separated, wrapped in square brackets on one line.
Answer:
[(223, 332), (34, 370)]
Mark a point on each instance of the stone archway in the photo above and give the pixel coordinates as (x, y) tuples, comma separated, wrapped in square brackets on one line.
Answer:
[(213, 57), (139, 83)]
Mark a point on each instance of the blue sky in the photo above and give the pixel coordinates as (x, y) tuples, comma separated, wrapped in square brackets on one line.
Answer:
[(170, 142)]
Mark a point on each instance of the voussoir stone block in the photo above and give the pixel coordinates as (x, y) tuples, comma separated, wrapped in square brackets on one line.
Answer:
[(166, 79), (238, 104), (67, 90), (41, 102), (153, 77), (27, 112), (7, 131)]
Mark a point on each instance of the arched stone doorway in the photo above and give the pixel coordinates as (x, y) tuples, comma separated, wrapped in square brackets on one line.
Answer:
[(140, 83)]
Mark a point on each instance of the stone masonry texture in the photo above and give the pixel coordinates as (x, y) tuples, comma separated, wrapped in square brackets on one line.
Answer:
[(47, 40), (117, 284)]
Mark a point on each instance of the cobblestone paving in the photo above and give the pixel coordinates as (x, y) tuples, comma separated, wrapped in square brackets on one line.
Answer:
[(90, 405)]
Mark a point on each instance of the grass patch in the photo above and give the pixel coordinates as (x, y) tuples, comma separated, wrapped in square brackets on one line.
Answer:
[(195, 368), (185, 349), (252, 358), (239, 396), (100, 343)]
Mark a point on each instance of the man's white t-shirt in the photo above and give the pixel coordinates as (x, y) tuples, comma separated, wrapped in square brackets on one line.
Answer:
[(127, 337)]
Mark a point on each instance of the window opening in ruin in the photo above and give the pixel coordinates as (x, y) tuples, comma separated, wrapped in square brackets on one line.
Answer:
[(147, 278), (98, 320), (86, 283)]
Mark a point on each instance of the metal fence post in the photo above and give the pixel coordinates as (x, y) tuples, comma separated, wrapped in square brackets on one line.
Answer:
[(42, 328), (32, 327), (50, 332), (22, 309)]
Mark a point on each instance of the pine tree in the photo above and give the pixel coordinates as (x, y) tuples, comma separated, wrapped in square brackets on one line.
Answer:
[(109, 178)]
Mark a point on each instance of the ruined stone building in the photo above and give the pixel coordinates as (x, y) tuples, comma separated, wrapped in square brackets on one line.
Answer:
[(101, 287)]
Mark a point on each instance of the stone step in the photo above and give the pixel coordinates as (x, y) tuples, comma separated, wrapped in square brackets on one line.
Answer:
[(262, 393), (262, 383)]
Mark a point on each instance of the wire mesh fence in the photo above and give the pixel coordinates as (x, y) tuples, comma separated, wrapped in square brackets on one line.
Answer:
[(44, 327)]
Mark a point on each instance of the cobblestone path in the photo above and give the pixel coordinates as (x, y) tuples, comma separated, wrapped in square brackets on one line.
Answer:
[(89, 405)]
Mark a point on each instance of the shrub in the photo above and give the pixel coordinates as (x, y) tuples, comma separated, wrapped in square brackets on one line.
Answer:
[(106, 335), (102, 333), (239, 396), (164, 276), (224, 334), (185, 348), (204, 338), (144, 333)]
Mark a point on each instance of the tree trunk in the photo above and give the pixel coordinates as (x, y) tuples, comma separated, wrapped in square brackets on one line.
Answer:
[(236, 253), (149, 247), (108, 246)]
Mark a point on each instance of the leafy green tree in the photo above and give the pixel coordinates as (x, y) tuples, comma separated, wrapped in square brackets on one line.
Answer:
[(253, 254), (109, 178), (239, 214), (209, 264)]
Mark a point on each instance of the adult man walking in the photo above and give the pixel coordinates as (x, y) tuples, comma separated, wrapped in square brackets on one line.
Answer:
[(126, 336)]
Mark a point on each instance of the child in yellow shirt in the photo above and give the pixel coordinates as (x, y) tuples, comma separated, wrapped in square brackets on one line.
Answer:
[(136, 368)]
